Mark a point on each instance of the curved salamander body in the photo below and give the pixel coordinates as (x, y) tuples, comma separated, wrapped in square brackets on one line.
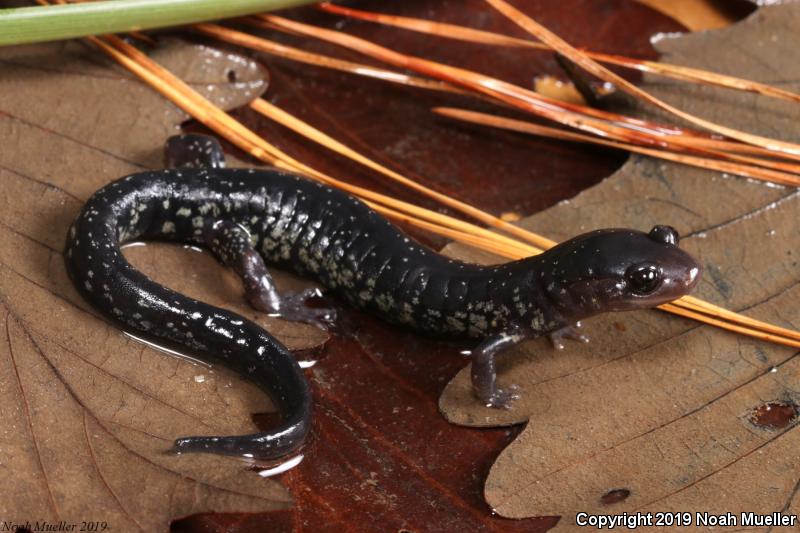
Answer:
[(247, 217)]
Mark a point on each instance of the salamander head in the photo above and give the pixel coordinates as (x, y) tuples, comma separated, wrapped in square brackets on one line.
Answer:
[(618, 270)]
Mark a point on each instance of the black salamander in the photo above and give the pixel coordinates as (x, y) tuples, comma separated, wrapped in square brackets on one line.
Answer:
[(249, 217)]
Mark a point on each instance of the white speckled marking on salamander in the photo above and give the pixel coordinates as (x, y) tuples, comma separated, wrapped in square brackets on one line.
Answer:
[(248, 216)]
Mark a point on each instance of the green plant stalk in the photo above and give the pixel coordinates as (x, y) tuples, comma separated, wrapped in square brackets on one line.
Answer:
[(56, 22)]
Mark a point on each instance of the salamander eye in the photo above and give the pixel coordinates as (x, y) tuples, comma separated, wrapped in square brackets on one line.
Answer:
[(643, 278)]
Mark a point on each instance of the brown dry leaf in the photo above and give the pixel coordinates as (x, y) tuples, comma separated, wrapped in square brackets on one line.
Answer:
[(657, 405), (87, 412)]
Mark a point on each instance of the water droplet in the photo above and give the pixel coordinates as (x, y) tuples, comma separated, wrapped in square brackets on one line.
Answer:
[(282, 467), (774, 415)]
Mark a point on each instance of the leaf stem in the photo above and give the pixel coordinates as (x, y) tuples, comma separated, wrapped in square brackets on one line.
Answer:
[(55, 22)]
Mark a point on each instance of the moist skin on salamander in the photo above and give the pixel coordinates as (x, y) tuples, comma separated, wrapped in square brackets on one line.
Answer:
[(248, 218)]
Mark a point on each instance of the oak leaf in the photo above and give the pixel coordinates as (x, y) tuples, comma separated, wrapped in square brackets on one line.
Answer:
[(659, 413), (88, 413)]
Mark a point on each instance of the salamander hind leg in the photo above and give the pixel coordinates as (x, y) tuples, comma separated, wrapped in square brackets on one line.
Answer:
[(231, 244), (194, 151), (484, 372), (568, 332)]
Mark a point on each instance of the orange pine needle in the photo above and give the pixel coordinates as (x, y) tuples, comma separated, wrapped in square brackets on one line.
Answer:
[(222, 123), (295, 54), (463, 33), (536, 129), (681, 72), (473, 80), (581, 59), (275, 113), (674, 309), (700, 142), (579, 117), (696, 304), (692, 304), (469, 238), (219, 121)]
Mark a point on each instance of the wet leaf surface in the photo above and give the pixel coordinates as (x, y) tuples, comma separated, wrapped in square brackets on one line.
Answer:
[(89, 412), (656, 408)]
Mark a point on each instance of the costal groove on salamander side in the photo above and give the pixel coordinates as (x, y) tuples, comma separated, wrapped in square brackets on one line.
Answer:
[(329, 236)]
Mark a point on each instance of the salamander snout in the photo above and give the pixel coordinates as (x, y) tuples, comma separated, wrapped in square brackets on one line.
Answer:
[(679, 268)]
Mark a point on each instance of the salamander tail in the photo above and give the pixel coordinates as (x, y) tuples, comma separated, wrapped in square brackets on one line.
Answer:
[(268, 446)]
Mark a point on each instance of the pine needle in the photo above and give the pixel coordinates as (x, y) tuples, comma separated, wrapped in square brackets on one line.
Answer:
[(465, 34), (220, 122), (592, 121), (295, 54), (747, 171), (561, 46)]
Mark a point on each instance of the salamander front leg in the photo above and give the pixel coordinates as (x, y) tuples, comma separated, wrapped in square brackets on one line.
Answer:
[(484, 373), (231, 244), (193, 150), (567, 332)]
